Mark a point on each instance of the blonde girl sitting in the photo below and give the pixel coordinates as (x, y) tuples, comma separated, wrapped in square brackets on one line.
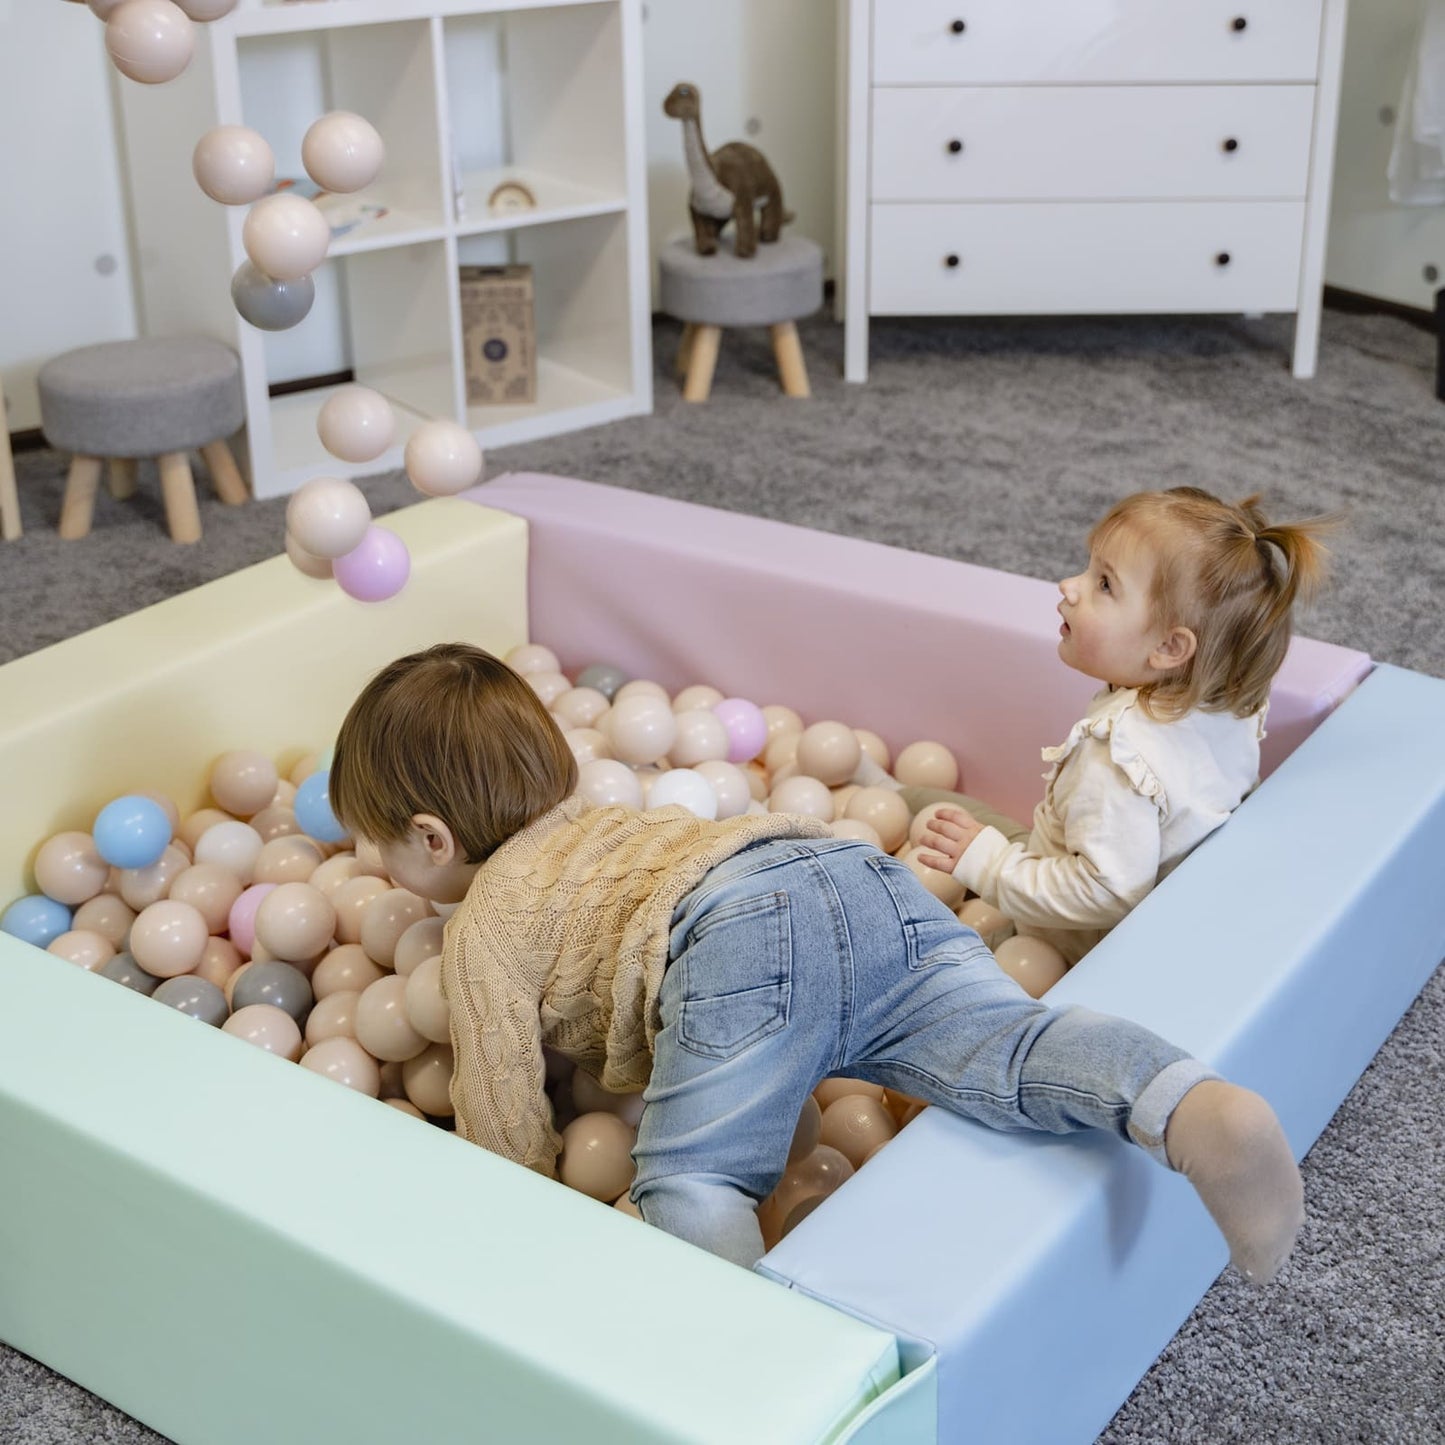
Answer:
[(1184, 613)]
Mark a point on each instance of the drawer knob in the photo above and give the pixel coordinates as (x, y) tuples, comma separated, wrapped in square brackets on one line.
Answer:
[(1230, 144), (954, 146), (958, 27), (950, 260), (1238, 23), (1222, 258)]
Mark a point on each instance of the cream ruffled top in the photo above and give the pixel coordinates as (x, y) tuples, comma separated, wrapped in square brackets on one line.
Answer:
[(1127, 798)]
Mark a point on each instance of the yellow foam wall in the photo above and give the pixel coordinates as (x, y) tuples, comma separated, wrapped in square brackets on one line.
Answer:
[(265, 658)]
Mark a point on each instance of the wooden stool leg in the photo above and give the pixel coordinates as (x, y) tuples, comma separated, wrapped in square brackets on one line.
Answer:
[(120, 477), (9, 497), (789, 352), (701, 363), (684, 350), (79, 504), (226, 476), (179, 490)]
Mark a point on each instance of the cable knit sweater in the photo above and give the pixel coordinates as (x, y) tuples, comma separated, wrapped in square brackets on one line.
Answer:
[(562, 939)]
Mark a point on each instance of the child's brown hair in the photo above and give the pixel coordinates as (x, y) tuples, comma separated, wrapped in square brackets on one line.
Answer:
[(455, 732), (1230, 576)]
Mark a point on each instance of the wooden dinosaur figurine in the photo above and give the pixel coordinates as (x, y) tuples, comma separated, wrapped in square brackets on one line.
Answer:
[(728, 185)]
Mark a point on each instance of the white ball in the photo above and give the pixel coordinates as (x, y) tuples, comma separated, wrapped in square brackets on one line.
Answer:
[(150, 40), (442, 458), (690, 789), (328, 516), (356, 424), (233, 164), (729, 784), (285, 235), (234, 846), (342, 152), (605, 782)]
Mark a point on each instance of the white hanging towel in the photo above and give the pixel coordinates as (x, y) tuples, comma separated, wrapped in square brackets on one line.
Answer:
[(1417, 159)]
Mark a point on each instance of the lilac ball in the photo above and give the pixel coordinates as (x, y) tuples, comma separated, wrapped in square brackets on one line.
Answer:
[(376, 569), (747, 728)]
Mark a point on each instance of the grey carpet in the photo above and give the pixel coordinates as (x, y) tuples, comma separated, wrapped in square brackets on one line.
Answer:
[(999, 442)]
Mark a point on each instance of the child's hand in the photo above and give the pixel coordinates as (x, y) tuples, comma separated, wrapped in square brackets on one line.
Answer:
[(948, 835)]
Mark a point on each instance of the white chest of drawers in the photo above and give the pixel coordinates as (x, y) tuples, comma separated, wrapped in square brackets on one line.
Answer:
[(1088, 156)]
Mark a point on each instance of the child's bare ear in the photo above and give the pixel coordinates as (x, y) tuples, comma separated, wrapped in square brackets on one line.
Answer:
[(436, 837), (1176, 649)]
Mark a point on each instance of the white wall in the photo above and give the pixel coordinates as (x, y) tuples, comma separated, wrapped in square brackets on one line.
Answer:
[(1376, 247), (65, 261)]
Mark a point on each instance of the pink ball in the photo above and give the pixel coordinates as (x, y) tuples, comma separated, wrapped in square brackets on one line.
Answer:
[(242, 921), (375, 570), (746, 726)]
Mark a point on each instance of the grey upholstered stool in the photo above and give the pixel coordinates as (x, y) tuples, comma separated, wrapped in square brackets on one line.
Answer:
[(154, 397), (782, 282)]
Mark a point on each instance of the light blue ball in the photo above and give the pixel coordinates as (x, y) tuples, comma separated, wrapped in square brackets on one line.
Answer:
[(131, 832), (313, 810), (35, 919)]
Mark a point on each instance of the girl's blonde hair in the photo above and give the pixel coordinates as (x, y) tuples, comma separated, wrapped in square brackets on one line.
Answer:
[(455, 732), (1230, 576)]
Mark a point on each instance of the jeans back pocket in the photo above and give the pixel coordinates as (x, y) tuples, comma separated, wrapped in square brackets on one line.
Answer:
[(933, 932), (737, 976)]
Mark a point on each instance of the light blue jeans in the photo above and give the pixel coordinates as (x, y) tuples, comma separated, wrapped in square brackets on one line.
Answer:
[(794, 960)]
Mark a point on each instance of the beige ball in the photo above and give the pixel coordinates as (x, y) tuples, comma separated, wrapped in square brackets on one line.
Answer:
[(696, 695), (344, 1061), (427, 1080), (729, 784), (426, 1009), (83, 947), (781, 719), (220, 961), (140, 887), (873, 746), (588, 745), (1033, 963), (233, 164), (944, 886), (346, 969), (295, 921), (287, 237), (291, 858), (580, 707), (442, 458), (333, 1017), (701, 738), (588, 1097), (151, 41), (107, 914), (883, 810), (194, 826), (243, 781), (803, 795), (351, 899), (211, 890), (69, 869), (986, 921), (856, 1124), (829, 1091), (597, 1155), (168, 938), (386, 918), (859, 832), (781, 752), (267, 1027), (527, 657), (342, 152), (926, 765), (336, 870), (829, 751), (356, 424), (808, 1131), (382, 1026), (404, 1106), (421, 941)]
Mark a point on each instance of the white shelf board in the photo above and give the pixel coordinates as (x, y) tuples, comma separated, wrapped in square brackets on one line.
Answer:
[(558, 199), (567, 400), (272, 17), (396, 228)]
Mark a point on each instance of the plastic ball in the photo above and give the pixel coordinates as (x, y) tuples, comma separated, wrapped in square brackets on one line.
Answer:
[(426, 1008), (386, 918), (140, 887), (596, 1155), (351, 900), (701, 738), (698, 695), (746, 727), (313, 810), (808, 1131), (346, 969), (233, 164), (124, 970), (926, 765), (295, 922), (944, 886), (856, 1124), (243, 781), (604, 677), (442, 458), (266, 1027), (69, 869), (686, 788), (986, 921), (853, 830), (232, 845), (549, 686), (333, 1017), (289, 859), (729, 786), (151, 41), (220, 961), (241, 924), (376, 569), (195, 998), (641, 727), (108, 915), (831, 1089), (829, 752), (418, 942), (285, 235), (356, 424), (35, 919), (276, 984), (605, 782), (383, 1028), (804, 795), (342, 152), (168, 937), (102, 8), (1033, 963), (328, 516), (268, 303), (529, 657), (205, 10), (781, 719), (83, 948), (427, 1080), (884, 810), (873, 746)]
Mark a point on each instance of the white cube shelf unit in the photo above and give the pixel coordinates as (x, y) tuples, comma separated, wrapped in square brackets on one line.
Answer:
[(465, 95)]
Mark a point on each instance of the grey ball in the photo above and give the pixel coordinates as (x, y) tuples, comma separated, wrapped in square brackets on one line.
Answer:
[(276, 983), (125, 970), (604, 677), (195, 997), (268, 304)]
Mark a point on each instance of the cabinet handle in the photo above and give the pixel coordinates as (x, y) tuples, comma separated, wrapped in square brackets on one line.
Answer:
[(958, 27), (950, 260), (1222, 258), (1238, 23), (954, 146), (1230, 144)]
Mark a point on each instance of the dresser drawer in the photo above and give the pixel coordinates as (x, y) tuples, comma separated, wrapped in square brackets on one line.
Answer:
[(1021, 258), (1189, 142), (1009, 42)]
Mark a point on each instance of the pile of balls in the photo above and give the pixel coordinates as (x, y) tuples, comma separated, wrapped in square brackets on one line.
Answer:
[(258, 916)]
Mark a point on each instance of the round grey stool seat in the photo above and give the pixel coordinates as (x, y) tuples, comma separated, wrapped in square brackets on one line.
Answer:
[(775, 287), (152, 397)]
